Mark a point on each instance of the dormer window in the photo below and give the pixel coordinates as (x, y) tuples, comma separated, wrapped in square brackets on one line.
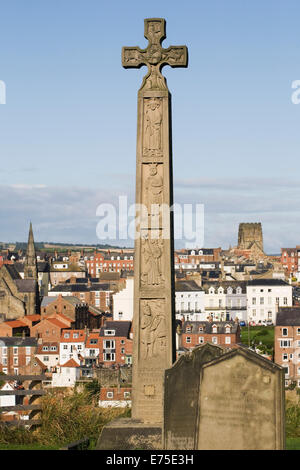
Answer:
[(215, 329), (109, 332), (227, 329), (229, 290)]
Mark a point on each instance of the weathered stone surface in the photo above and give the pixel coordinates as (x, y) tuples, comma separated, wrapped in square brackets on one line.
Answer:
[(241, 403), (130, 434), (182, 388), (154, 315)]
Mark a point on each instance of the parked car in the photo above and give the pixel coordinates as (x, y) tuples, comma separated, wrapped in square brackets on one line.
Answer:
[(242, 323)]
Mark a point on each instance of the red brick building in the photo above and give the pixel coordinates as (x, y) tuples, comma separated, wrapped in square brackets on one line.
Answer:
[(115, 343), (17, 355), (225, 334), (109, 262), (49, 329), (287, 343), (289, 260), (115, 397)]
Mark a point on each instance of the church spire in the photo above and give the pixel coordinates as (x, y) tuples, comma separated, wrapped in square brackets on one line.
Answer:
[(30, 268)]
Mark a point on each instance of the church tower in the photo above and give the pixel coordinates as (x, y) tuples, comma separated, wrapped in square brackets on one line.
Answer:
[(30, 267)]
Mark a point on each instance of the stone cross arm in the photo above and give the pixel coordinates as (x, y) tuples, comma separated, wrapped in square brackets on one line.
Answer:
[(154, 55)]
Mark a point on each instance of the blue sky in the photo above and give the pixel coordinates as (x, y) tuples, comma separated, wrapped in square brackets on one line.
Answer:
[(68, 129)]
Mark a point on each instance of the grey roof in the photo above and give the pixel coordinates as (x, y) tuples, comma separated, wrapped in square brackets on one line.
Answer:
[(288, 316), (69, 298), (122, 328), (47, 300), (26, 285), (81, 287), (225, 284), (12, 271), (182, 286), (18, 341), (267, 282), (207, 326)]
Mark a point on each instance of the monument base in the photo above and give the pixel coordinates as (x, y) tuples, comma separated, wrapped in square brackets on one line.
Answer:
[(130, 434)]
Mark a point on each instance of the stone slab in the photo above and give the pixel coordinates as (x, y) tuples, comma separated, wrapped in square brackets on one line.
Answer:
[(241, 403), (181, 396), (130, 434)]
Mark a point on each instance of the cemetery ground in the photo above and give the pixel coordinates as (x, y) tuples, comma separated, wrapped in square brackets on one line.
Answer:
[(73, 414)]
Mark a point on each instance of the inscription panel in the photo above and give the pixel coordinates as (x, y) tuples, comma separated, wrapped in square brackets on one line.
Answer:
[(238, 413)]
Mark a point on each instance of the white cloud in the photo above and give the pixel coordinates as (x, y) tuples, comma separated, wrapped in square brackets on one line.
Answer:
[(68, 214)]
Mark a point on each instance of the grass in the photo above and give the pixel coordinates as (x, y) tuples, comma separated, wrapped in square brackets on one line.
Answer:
[(259, 334), (66, 417), (293, 443)]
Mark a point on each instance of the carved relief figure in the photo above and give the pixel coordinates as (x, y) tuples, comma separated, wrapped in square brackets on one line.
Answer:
[(154, 31), (152, 256), (153, 329), (153, 122), (154, 188)]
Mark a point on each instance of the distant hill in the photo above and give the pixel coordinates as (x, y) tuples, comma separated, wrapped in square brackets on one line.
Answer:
[(48, 246)]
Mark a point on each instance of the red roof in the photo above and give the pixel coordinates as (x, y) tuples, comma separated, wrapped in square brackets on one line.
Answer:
[(81, 336), (57, 322), (15, 323), (70, 363)]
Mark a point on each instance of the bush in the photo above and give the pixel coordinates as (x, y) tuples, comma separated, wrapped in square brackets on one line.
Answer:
[(67, 416)]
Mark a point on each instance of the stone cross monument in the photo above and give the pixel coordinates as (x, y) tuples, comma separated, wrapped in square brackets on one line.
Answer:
[(154, 316)]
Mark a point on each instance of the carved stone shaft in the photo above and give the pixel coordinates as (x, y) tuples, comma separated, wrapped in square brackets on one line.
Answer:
[(154, 311)]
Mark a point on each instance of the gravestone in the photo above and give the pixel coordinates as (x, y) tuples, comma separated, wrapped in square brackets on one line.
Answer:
[(240, 405), (182, 382), (154, 348)]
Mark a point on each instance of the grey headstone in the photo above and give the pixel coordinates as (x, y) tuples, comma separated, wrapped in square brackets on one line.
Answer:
[(181, 396)]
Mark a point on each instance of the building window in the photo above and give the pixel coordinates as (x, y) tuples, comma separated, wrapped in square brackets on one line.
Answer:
[(214, 340), (110, 394), (284, 300), (109, 332), (107, 357), (4, 351), (15, 350), (261, 300), (227, 340), (188, 339), (46, 358), (284, 331), (286, 370), (284, 357), (253, 300), (285, 343), (201, 340), (126, 394), (109, 344)]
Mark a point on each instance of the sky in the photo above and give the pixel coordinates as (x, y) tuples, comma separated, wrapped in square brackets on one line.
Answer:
[(68, 128)]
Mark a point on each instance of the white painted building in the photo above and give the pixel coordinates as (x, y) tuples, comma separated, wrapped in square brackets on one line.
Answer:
[(189, 301), (225, 300), (72, 345), (66, 375), (7, 400), (123, 302), (264, 296)]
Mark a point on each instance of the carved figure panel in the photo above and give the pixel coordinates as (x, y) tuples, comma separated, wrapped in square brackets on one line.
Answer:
[(152, 262), (152, 138), (153, 187), (152, 328)]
